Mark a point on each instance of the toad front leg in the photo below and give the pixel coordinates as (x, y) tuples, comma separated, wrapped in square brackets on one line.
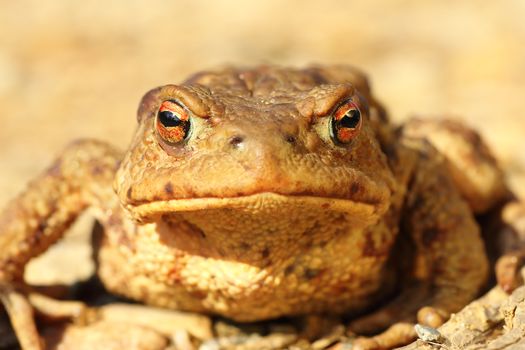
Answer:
[(451, 255), (81, 177), (450, 264)]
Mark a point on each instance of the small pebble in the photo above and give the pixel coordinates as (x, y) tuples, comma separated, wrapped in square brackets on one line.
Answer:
[(428, 334)]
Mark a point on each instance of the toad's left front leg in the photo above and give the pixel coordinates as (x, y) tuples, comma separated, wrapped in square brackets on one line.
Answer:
[(450, 254), (450, 264)]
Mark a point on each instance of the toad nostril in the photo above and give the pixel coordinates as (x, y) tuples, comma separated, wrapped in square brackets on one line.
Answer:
[(236, 140), (290, 138)]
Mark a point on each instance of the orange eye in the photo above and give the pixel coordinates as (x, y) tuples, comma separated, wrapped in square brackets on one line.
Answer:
[(173, 122), (345, 123)]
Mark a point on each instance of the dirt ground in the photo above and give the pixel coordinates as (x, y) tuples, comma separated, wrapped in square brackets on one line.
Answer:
[(78, 69)]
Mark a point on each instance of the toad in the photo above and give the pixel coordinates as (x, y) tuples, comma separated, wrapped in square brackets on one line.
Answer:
[(268, 192)]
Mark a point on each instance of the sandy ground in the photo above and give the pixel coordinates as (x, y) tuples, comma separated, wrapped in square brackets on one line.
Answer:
[(78, 69)]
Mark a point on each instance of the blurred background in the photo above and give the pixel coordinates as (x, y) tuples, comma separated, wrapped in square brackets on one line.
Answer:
[(72, 69)]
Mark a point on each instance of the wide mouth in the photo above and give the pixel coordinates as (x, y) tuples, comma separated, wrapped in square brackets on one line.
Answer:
[(151, 210)]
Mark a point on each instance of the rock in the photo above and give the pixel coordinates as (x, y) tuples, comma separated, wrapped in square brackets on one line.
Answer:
[(164, 321), (104, 335), (493, 322)]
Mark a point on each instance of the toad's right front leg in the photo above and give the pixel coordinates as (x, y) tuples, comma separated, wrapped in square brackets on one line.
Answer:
[(81, 177)]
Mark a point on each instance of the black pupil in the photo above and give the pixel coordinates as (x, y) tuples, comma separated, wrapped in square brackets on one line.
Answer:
[(351, 119), (169, 119)]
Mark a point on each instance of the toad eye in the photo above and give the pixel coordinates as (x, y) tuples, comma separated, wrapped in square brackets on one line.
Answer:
[(172, 122), (345, 123)]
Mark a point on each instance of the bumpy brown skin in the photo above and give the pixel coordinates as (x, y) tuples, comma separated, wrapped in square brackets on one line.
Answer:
[(259, 214)]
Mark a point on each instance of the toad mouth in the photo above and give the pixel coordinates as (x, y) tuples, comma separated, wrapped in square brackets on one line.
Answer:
[(157, 208)]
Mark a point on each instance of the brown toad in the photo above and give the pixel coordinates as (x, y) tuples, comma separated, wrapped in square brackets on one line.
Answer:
[(268, 192)]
